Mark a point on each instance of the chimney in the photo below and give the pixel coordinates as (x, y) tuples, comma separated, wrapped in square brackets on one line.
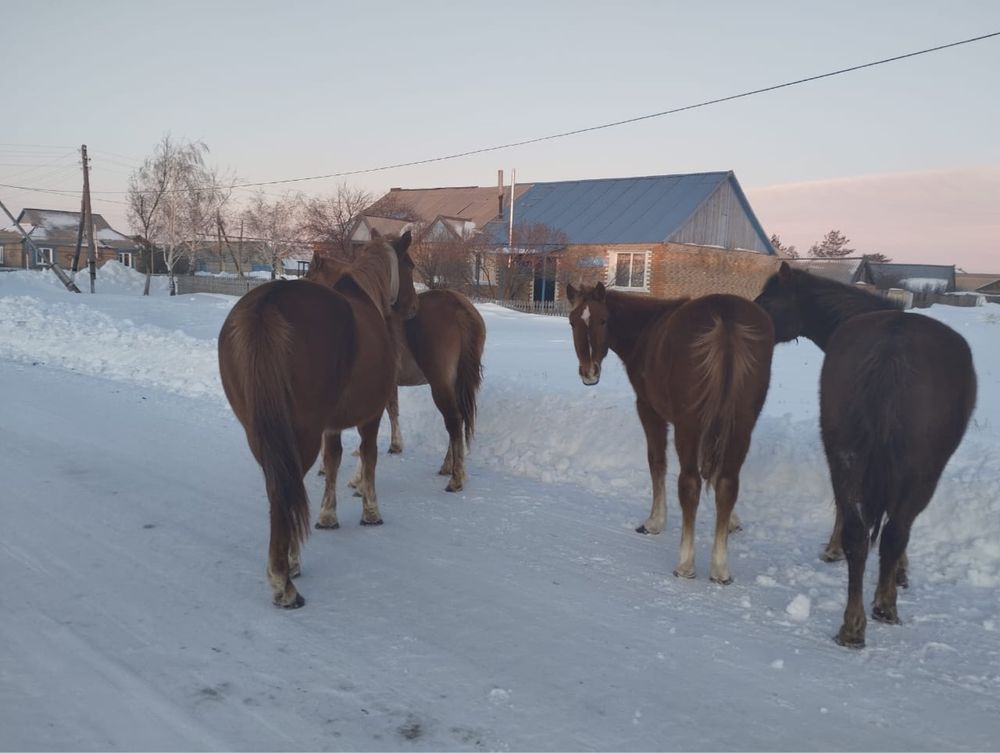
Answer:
[(500, 193)]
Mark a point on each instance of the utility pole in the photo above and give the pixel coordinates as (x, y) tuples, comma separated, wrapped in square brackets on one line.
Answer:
[(89, 220), (70, 285), (83, 210)]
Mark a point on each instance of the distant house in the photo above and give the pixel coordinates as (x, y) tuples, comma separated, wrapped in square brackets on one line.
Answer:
[(849, 270), (917, 278), (663, 235), (988, 284), (54, 233)]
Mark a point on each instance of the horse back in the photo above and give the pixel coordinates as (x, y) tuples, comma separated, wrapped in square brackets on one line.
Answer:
[(446, 327), (897, 384), (722, 338)]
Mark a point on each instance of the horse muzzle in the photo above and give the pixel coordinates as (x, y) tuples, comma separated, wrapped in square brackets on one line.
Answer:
[(591, 377)]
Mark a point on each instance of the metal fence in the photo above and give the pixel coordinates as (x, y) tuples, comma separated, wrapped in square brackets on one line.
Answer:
[(224, 285), (544, 308)]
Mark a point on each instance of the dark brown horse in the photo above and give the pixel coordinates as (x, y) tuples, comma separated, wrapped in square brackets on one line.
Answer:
[(442, 345), (896, 393), (703, 365), (300, 362)]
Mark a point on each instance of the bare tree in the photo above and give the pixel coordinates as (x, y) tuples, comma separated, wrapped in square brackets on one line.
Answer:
[(274, 223), (329, 220), (833, 246), (205, 201), (393, 207), (158, 195), (445, 262), (785, 252), (511, 271)]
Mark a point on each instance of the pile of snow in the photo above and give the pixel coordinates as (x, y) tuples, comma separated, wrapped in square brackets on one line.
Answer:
[(112, 277)]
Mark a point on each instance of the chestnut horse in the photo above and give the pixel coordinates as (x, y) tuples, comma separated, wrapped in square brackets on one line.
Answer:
[(703, 365), (300, 362), (441, 346), (444, 348), (896, 393)]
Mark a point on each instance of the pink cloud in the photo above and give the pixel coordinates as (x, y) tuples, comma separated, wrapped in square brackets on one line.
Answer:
[(936, 217)]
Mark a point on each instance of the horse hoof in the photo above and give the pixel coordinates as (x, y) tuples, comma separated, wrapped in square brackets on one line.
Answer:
[(327, 526), (453, 487), (688, 575), (832, 555), (320, 472), (395, 450), (735, 529), (371, 522), (646, 531), (721, 582), (902, 581), (885, 616), (849, 641), (298, 602)]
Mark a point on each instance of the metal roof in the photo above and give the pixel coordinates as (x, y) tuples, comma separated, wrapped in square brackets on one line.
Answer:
[(843, 269), (889, 275), (58, 227), (621, 210)]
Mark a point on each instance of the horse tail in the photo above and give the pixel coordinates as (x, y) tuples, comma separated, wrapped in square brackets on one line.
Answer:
[(881, 444), (469, 375), (724, 361), (264, 336)]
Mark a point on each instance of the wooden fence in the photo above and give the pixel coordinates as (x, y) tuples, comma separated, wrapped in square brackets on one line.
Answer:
[(544, 308)]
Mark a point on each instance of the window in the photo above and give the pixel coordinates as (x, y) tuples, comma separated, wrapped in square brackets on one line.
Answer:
[(628, 269), (44, 256), (125, 257), (2, 259)]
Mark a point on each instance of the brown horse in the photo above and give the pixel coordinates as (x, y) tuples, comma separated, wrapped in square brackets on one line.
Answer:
[(301, 362), (703, 365), (444, 348), (896, 393), (442, 345)]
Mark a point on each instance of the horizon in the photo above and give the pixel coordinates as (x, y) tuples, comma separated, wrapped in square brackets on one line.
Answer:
[(901, 158)]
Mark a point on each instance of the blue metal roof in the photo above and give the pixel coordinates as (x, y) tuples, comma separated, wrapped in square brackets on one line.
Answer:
[(619, 210)]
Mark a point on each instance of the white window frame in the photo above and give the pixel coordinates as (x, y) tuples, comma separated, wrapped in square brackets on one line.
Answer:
[(2, 258), (126, 258), (45, 255), (613, 270)]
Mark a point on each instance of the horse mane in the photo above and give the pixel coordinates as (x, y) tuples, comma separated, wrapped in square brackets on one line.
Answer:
[(369, 275), (633, 311), (838, 300)]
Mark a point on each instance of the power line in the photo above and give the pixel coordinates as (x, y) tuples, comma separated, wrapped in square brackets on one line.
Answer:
[(588, 129)]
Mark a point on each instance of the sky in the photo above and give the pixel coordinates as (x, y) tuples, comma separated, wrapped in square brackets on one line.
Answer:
[(902, 158)]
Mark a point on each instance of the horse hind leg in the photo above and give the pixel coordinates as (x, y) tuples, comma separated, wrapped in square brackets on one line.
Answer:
[(655, 429), (688, 492), (845, 474), (834, 551), (726, 492), (395, 435), (370, 515), (454, 459), (333, 451)]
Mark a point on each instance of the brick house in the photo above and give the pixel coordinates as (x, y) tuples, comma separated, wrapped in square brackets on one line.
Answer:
[(662, 235), (54, 233)]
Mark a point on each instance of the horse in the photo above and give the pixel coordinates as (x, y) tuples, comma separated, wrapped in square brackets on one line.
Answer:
[(444, 348), (299, 363), (442, 345), (703, 365), (896, 393)]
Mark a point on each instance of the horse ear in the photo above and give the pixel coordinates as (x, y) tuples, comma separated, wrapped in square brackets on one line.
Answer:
[(403, 243), (599, 291), (785, 273), (376, 234), (572, 294)]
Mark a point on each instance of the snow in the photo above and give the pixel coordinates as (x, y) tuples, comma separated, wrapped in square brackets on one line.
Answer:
[(924, 284), (522, 613)]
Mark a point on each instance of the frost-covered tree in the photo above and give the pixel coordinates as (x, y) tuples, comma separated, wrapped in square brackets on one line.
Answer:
[(275, 223), (330, 219)]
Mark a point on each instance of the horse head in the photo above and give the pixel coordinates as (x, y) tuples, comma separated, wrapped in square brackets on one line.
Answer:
[(589, 321), (780, 299)]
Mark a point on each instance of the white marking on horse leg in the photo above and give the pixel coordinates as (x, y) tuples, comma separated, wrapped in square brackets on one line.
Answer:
[(734, 523), (685, 562), (448, 463), (657, 519), (456, 450), (719, 569), (332, 453), (294, 559)]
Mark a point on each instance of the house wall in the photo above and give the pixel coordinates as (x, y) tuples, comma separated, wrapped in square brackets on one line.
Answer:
[(675, 270), (722, 221)]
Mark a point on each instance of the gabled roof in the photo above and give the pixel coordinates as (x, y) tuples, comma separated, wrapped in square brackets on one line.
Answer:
[(60, 228), (650, 209), (975, 280), (467, 202)]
